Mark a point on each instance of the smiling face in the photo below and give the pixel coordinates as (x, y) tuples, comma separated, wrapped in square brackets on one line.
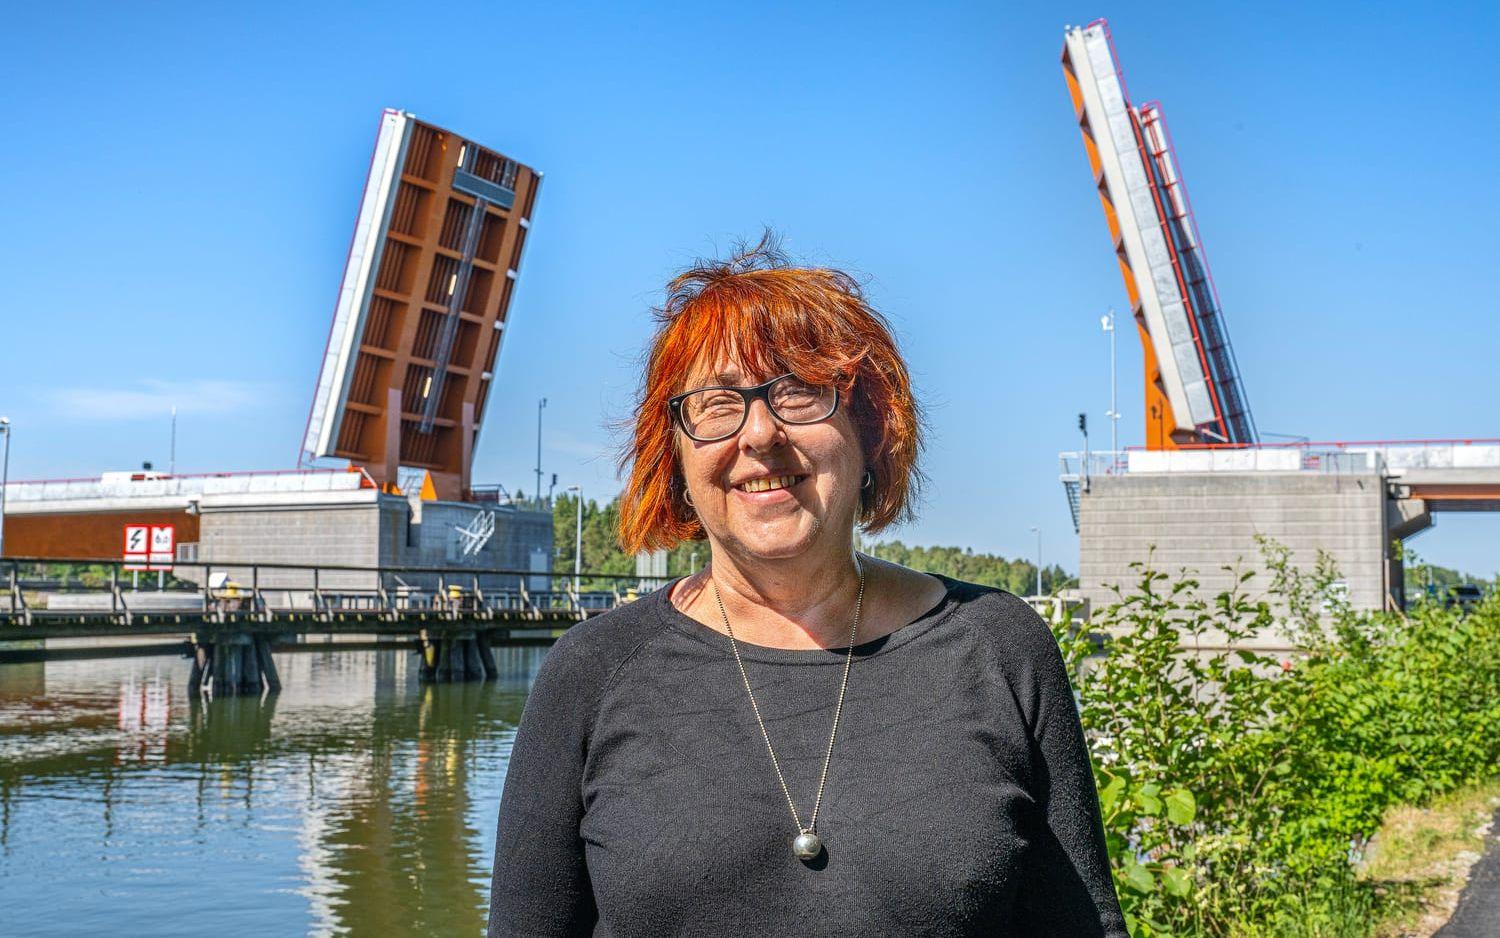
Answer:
[(773, 491), (754, 317)]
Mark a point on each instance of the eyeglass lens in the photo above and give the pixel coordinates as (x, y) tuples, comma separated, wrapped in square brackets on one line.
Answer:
[(715, 413)]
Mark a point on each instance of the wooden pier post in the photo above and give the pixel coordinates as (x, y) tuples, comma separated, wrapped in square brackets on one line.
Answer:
[(427, 670), (200, 668), (451, 659), (234, 664), (458, 650), (267, 664), (249, 666), (486, 656), (472, 661), (227, 677)]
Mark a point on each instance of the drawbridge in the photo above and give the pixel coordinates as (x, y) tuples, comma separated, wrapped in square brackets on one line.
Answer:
[(1204, 491)]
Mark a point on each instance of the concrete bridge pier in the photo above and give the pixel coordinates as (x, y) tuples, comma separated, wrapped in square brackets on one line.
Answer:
[(232, 664), (456, 657)]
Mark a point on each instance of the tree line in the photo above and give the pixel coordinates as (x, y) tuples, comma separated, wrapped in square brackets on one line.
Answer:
[(602, 554)]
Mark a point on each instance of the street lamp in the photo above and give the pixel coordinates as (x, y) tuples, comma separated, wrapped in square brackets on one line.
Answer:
[(578, 544), (539, 405), (4, 479), (1038, 532), (1107, 321)]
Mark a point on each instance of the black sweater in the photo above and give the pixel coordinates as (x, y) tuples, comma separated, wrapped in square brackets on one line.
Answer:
[(640, 800)]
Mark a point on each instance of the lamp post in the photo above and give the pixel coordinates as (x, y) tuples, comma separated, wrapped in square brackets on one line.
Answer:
[(1038, 532), (539, 406), (1108, 322), (578, 544), (4, 479)]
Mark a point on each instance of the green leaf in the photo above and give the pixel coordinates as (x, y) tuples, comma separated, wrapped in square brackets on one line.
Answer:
[(1139, 878), (1181, 807), (1150, 804), (1177, 881), (1109, 797)]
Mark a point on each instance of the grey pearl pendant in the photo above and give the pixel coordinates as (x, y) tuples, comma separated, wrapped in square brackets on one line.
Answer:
[(807, 845)]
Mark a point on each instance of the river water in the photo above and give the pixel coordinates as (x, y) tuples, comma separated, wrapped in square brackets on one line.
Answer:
[(357, 801)]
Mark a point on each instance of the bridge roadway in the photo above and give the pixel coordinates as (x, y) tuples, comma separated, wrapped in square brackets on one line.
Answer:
[(234, 615)]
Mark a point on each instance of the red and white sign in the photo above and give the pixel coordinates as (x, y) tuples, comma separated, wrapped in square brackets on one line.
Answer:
[(137, 547), (163, 546), (150, 546)]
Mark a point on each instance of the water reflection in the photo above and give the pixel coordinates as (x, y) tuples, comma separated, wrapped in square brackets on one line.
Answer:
[(357, 801)]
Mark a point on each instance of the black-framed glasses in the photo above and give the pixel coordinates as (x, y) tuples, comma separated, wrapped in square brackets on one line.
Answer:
[(710, 414)]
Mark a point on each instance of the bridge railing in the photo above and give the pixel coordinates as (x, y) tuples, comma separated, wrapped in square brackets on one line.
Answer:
[(1336, 457), (36, 589), (163, 485)]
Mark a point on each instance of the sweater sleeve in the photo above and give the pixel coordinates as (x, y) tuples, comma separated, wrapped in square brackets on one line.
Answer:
[(1069, 889), (541, 882)]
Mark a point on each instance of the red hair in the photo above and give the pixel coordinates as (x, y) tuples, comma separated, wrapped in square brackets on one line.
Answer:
[(769, 318)]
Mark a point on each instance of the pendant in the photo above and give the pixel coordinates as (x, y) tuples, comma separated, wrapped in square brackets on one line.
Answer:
[(807, 845)]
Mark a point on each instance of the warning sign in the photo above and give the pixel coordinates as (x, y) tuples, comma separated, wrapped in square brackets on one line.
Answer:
[(137, 547), (150, 546), (163, 546)]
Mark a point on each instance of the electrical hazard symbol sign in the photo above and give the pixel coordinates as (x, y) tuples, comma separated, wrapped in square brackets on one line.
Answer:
[(150, 546)]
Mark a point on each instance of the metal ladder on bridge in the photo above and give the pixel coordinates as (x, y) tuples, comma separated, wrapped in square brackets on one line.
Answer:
[(1071, 487)]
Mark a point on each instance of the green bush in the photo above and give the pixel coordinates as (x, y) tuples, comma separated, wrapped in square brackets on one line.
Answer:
[(1238, 788)]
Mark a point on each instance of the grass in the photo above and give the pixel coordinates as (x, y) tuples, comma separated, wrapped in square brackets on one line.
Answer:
[(1409, 882), (1418, 862)]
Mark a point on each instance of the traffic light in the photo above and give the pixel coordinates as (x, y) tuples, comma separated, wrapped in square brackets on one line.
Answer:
[(1083, 424)]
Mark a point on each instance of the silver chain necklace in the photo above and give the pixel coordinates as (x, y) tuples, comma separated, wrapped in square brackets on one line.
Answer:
[(807, 845)]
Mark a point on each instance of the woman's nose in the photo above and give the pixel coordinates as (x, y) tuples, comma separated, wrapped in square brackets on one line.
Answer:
[(762, 430)]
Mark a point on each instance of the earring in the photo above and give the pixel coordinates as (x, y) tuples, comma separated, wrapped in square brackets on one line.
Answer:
[(869, 480), (687, 497)]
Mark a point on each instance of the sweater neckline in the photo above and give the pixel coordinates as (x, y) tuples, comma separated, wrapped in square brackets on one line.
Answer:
[(685, 624)]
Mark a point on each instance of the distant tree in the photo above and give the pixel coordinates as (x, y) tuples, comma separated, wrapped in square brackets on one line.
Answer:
[(602, 554), (1425, 579), (962, 563)]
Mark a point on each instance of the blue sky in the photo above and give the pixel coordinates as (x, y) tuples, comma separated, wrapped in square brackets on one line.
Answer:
[(179, 185)]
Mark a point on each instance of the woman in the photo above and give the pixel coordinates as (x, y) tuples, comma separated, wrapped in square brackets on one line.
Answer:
[(798, 739)]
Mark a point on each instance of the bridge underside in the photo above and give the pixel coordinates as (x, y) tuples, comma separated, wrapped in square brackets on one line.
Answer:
[(1475, 495)]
